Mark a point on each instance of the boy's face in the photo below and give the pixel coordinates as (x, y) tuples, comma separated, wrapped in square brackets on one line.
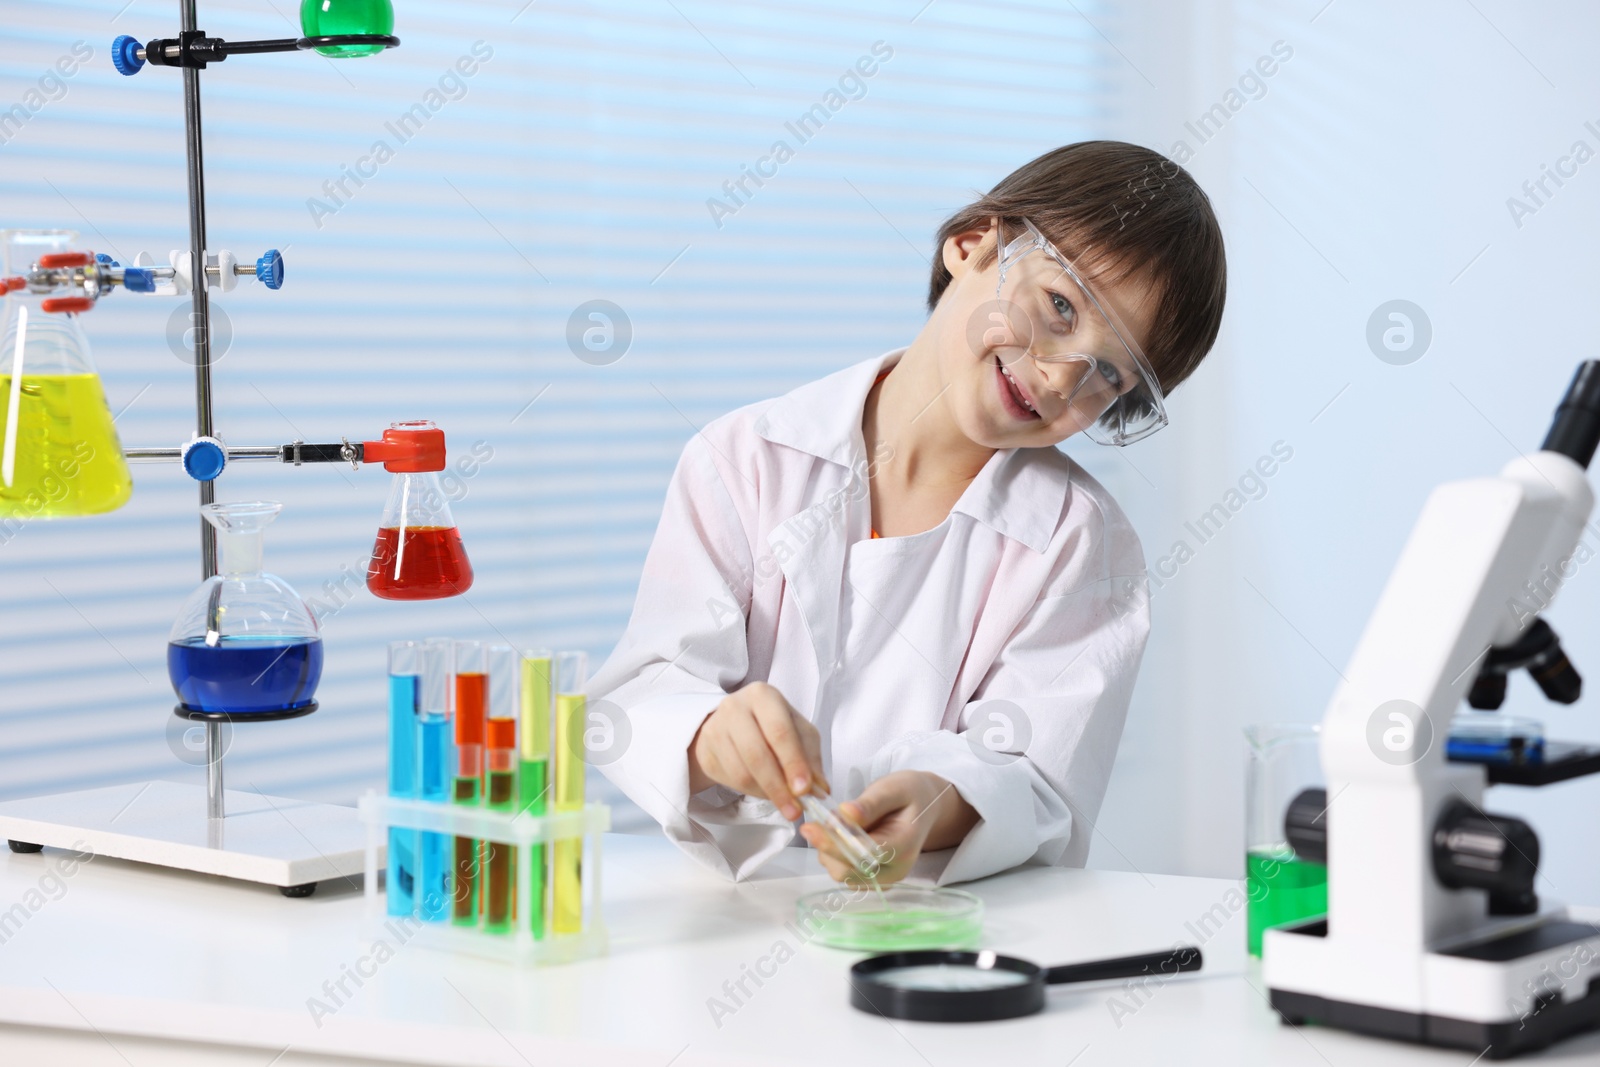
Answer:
[(999, 394)]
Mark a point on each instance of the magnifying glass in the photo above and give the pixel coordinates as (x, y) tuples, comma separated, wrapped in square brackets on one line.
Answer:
[(939, 986)]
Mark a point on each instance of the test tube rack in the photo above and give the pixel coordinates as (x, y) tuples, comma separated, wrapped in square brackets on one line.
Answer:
[(519, 830), (287, 843)]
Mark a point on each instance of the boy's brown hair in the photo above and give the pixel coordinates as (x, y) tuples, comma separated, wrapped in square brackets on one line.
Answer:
[(1118, 210)]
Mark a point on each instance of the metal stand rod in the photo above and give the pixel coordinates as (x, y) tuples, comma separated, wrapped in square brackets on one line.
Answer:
[(214, 806), (201, 331), (295, 452), (172, 455)]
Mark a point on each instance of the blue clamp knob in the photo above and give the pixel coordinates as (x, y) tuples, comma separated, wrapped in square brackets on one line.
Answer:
[(139, 280), (204, 458), (269, 269), (104, 260), (125, 55)]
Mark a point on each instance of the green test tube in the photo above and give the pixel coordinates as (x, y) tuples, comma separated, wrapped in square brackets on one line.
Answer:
[(533, 773), (566, 867)]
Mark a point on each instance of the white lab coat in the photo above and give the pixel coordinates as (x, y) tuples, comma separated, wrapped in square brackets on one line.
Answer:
[(1024, 614)]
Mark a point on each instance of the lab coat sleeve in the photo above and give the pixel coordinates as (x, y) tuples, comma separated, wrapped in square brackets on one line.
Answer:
[(684, 650), (1035, 744)]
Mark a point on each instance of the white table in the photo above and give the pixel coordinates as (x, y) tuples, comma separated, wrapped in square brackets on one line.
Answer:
[(124, 964)]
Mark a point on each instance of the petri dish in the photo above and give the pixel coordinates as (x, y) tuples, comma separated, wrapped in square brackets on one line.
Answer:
[(901, 917), (1493, 737)]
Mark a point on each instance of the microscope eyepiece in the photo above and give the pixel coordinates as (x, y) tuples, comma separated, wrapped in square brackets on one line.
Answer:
[(1575, 433)]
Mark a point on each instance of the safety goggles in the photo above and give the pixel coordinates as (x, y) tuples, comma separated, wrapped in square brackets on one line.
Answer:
[(1045, 309)]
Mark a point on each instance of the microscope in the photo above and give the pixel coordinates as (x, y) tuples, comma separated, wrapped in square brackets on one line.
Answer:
[(1434, 932)]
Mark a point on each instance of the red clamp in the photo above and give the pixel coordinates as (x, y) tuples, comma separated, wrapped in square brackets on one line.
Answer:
[(407, 448), (12, 285), (67, 304), (66, 259)]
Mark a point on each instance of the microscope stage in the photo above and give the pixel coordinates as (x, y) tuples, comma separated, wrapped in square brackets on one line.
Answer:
[(1558, 762)]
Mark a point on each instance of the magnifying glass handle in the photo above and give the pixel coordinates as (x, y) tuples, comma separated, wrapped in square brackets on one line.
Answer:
[(1185, 958)]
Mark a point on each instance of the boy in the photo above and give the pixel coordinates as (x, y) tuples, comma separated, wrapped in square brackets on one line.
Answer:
[(889, 582)]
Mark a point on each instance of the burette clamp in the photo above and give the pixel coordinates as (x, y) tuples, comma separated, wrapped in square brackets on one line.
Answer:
[(196, 48), (404, 448), (73, 282), (70, 282), (299, 453)]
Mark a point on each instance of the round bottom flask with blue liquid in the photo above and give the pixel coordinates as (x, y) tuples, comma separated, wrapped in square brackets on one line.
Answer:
[(244, 646)]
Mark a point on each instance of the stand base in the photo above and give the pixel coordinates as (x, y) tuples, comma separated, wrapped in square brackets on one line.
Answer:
[(292, 844)]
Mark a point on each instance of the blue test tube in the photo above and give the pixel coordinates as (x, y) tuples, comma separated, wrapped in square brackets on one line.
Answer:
[(405, 772), (438, 764)]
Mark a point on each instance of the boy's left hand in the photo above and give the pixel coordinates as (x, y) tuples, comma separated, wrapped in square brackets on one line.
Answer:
[(907, 813)]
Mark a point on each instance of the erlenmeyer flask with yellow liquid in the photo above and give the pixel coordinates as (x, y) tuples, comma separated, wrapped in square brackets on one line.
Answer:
[(59, 452)]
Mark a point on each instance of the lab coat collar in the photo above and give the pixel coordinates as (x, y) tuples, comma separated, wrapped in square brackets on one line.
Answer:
[(1021, 493), (823, 418)]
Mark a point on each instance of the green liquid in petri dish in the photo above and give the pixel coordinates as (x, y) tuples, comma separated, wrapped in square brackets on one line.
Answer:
[(332, 18), (905, 930), (901, 917), (1282, 890)]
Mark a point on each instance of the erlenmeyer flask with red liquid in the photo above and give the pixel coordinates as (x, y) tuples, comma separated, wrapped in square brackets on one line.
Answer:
[(418, 554)]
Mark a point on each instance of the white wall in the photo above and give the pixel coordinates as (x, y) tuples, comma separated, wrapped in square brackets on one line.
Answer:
[(1377, 166)]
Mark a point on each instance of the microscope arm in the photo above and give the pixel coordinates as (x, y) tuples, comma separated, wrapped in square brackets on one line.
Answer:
[(1457, 592)]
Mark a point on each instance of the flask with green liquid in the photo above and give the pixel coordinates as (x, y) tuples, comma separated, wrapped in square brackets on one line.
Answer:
[(332, 18)]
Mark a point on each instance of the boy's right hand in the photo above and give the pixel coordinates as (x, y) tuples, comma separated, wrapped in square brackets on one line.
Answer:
[(755, 743)]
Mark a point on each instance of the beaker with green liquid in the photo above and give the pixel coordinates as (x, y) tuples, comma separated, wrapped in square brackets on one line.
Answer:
[(1284, 758), (59, 452)]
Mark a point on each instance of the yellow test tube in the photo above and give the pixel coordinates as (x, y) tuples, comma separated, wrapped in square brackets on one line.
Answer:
[(566, 865), (533, 777)]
